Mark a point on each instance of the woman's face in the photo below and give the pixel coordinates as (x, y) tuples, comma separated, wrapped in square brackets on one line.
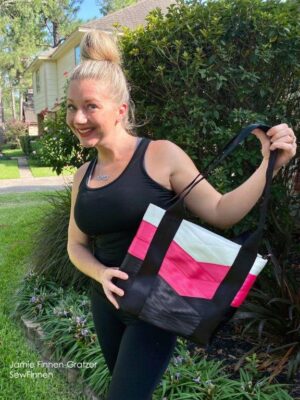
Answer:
[(91, 112)]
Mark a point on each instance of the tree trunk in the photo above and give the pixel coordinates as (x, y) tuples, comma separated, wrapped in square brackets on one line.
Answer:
[(21, 105), (56, 37), (1, 108), (13, 104), (2, 140)]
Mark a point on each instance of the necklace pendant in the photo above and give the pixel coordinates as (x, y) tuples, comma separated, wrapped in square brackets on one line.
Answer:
[(102, 177)]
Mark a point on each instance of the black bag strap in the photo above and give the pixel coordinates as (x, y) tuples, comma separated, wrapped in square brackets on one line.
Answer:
[(145, 278), (227, 150)]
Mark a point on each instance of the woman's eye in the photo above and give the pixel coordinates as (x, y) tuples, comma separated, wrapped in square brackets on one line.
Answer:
[(70, 107), (92, 106)]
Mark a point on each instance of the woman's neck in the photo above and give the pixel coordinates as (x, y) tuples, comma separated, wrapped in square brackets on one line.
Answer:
[(116, 147)]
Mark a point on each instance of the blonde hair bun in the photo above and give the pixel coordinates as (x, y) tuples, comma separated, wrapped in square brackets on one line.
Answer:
[(99, 46)]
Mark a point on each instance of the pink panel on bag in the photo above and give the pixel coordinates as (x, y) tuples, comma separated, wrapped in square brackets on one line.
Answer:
[(242, 293), (189, 277), (140, 244), (185, 275)]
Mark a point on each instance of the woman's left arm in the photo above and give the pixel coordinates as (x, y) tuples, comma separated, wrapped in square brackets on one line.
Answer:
[(225, 210)]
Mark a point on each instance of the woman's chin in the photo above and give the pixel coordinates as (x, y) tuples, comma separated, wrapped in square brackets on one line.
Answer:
[(88, 143)]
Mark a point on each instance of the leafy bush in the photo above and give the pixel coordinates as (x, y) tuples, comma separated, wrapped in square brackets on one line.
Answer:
[(34, 296), (273, 312), (59, 146), (67, 324), (192, 377), (14, 129), (49, 257), (25, 143), (35, 151), (209, 68)]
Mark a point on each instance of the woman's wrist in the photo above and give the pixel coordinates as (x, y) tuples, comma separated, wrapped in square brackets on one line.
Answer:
[(99, 273), (264, 166)]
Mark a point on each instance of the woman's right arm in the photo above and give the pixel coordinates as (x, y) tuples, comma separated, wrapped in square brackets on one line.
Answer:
[(80, 254)]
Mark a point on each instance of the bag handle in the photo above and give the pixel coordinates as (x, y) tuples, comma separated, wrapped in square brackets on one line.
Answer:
[(227, 150), (253, 240)]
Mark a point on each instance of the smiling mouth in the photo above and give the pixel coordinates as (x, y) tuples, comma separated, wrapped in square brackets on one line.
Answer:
[(85, 132)]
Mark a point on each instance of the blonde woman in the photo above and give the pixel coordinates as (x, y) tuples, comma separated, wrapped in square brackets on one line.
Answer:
[(110, 195)]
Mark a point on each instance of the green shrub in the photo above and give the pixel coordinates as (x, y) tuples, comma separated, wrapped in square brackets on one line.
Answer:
[(273, 312), (209, 68), (67, 325), (25, 144), (36, 146), (58, 146), (49, 256), (14, 129), (192, 377)]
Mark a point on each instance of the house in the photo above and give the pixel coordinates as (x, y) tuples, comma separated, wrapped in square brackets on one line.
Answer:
[(50, 68)]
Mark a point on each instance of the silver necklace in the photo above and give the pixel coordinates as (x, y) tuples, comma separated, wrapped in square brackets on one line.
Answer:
[(102, 177), (106, 177)]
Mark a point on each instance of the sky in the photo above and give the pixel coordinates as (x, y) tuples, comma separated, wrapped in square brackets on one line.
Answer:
[(88, 10)]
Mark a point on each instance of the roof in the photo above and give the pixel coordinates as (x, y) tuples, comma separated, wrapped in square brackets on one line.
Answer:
[(131, 16), (47, 53)]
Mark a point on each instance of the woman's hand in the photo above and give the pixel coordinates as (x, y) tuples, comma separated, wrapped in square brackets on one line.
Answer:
[(109, 288), (279, 137)]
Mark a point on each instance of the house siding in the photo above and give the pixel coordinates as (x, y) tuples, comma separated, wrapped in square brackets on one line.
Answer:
[(39, 97), (51, 84), (64, 66)]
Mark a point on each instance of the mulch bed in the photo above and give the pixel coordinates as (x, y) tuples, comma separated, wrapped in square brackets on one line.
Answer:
[(231, 348)]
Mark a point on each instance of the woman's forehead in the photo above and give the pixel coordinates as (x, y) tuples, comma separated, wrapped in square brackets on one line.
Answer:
[(88, 88)]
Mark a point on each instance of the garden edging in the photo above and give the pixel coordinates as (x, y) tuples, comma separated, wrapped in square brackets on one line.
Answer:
[(34, 334)]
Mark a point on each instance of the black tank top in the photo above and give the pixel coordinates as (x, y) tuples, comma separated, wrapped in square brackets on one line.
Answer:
[(111, 214)]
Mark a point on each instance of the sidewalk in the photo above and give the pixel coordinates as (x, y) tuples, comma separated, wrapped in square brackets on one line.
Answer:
[(27, 183)]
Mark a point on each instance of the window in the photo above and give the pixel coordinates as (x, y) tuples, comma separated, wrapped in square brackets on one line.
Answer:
[(37, 81), (77, 55)]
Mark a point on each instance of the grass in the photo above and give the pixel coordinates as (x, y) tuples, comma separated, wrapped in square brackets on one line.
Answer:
[(13, 152), (9, 169), (38, 171), (19, 215)]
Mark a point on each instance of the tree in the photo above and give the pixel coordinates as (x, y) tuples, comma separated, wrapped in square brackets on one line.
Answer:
[(109, 6), (58, 18), (26, 28), (20, 38)]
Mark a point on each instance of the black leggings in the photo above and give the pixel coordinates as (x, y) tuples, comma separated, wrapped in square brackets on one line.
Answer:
[(137, 353)]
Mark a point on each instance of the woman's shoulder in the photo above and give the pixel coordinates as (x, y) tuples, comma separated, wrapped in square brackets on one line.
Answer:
[(166, 150), (164, 146)]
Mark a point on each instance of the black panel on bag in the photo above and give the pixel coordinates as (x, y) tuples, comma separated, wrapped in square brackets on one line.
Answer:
[(167, 310)]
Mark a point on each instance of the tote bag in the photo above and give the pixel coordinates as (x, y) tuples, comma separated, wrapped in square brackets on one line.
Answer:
[(184, 278)]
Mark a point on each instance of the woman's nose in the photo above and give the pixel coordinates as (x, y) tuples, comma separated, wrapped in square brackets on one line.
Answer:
[(80, 117)]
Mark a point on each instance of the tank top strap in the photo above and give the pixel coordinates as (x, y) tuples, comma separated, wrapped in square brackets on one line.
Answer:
[(88, 170), (140, 151)]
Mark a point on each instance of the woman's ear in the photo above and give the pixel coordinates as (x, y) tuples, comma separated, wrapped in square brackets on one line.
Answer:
[(121, 112)]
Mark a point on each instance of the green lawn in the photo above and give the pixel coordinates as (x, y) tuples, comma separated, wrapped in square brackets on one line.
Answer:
[(38, 171), (19, 215), (13, 152), (9, 169)]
